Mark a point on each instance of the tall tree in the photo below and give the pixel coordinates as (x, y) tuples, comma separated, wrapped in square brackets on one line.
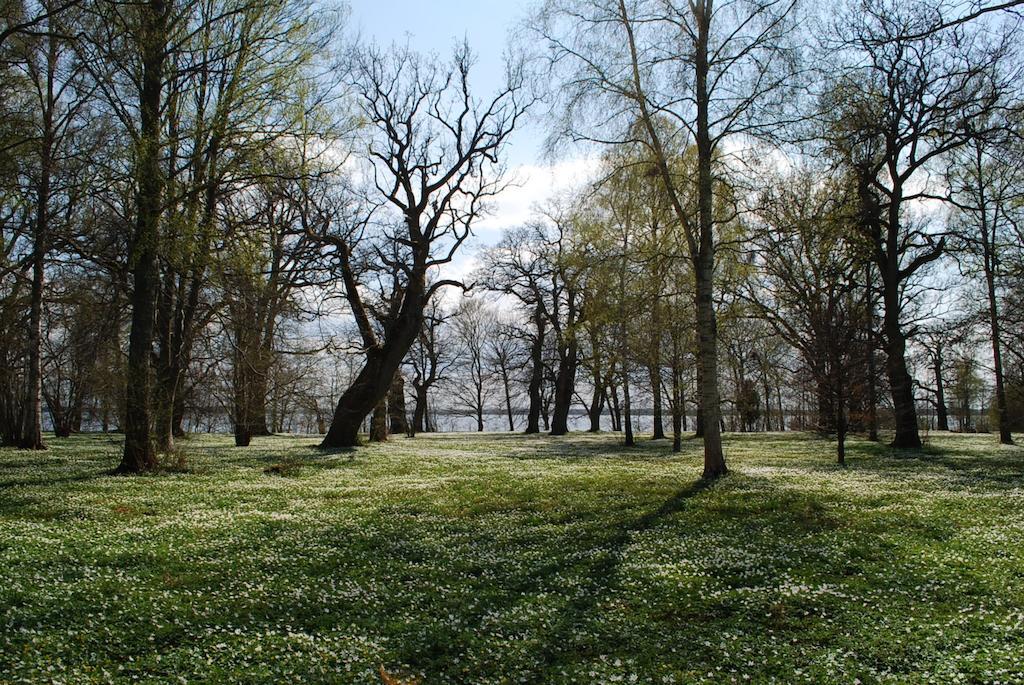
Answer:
[(899, 104), (695, 73), (435, 152), (987, 187)]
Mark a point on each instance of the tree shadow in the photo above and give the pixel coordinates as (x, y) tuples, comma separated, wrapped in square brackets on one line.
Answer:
[(595, 577)]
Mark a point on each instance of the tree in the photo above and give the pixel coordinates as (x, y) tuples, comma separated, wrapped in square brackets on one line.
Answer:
[(967, 388), (899, 105), (807, 286), (692, 73), (504, 355), (431, 358), (473, 326), (150, 41), (234, 116), (987, 187), (517, 267), (62, 97), (435, 152)]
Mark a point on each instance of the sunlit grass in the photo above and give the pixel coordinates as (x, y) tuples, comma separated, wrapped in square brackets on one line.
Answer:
[(507, 559)]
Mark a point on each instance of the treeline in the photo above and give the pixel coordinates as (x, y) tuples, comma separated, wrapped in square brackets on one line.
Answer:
[(797, 211)]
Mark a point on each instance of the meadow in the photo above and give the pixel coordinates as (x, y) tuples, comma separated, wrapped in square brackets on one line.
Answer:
[(503, 558)]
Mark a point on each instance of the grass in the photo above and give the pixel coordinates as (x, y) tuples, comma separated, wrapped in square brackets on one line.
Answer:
[(507, 559)]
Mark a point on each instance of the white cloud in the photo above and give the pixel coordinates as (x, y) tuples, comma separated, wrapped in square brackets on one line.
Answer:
[(532, 185)]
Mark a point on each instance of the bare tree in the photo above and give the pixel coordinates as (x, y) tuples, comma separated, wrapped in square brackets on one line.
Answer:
[(435, 152), (431, 357), (504, 354), (473, 325)]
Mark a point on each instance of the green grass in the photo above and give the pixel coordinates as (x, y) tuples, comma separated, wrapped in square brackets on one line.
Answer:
[(506, 559)]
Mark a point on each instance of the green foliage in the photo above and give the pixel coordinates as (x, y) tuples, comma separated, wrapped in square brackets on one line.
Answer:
[(501, 559)]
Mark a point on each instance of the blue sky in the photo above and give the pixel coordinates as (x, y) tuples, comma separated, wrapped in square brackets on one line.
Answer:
[(436, 25)]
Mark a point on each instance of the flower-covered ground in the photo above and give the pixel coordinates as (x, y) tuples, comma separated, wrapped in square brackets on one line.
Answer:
[(511, 559)]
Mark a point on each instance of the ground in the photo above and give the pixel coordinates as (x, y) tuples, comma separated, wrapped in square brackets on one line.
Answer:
[(512, 559)]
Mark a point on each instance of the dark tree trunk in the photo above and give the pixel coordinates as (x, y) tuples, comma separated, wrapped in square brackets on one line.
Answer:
[(536, 372), (396, 406), (614, 409), (596, 407), (507, 387), (379, 423), (382, 362), (941, 412), (32, 424), (565, 386), (627, 418), (904, 409), (658, 424), (419, 412), (139, 454), (872, 398)]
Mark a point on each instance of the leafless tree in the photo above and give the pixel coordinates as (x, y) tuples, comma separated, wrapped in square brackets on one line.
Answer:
[(435, 152)]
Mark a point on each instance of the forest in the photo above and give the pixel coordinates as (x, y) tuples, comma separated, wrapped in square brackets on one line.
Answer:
[(260, 309)]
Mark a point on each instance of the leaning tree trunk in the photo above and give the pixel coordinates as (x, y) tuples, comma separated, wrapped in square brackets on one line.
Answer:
[(382, 363), (139, 454)]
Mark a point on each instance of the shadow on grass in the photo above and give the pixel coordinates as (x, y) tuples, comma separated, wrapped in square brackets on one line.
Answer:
[(574, 447), (594, 579), (966, 464)]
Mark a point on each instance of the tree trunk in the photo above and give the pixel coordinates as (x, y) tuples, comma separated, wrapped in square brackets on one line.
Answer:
[(382, 363), (507, 387), (536, 372), (627, 418), (989, 258), (396, 406), (379, 423), (596, 407), (658, 424), (614, 410), (904, 409), (678, 408), (32, 424), (707, 327), (941, 412), (138, 447), (419, 412), (565, 384)]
